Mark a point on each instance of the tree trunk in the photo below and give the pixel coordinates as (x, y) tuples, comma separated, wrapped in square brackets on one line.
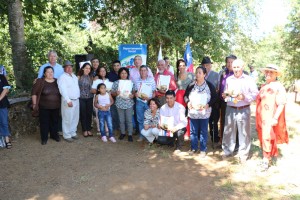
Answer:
[(22, 71)]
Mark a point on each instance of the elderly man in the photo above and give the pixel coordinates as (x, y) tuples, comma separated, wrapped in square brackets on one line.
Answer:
[(175, 112), (69, 90), (135, 71), (58, 70), (141, 100), (213, 78), (162, 70), (239, 92)]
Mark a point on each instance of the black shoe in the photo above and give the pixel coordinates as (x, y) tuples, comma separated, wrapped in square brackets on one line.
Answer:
[(57, 139), (44, 142), (130, 138), (121, 137)]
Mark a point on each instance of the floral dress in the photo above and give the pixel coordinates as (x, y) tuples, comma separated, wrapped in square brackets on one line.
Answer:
[(269, 98)]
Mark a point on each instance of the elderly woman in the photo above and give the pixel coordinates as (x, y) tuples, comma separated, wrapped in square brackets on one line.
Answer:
[(200, 95), (4, 132), (151, 120), (45, 95), (270, 115), (85, 80)]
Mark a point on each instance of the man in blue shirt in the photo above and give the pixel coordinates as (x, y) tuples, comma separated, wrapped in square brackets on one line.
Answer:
[(58, 69)]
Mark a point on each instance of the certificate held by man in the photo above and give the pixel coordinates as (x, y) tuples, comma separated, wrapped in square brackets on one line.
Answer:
[(166, 125), (164, 82), (145, 91)]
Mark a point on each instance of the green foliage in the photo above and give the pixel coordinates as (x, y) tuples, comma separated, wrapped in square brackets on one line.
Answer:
[(209, 25), (291, 43)]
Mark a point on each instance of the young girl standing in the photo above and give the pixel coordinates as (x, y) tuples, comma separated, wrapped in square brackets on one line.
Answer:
[(103, 101)]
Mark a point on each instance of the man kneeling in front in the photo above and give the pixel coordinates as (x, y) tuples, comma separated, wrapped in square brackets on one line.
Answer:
[(173, 120)]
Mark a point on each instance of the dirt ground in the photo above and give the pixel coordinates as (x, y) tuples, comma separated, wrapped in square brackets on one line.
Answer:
[(90, 169)]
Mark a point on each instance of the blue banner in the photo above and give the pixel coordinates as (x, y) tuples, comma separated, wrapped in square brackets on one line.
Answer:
[(127, 52)]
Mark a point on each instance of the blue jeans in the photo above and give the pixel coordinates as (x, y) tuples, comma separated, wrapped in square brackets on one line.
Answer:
[(196, 126), (4, 122), (105, 116), (141, 107)]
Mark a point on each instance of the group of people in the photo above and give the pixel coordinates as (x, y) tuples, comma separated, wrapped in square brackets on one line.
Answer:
[(161, 105)]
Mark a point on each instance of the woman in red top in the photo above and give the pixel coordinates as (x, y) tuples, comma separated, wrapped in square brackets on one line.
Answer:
[(270, 115)]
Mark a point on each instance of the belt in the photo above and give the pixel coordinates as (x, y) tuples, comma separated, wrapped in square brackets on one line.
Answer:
[(73, 99), (239, 108)]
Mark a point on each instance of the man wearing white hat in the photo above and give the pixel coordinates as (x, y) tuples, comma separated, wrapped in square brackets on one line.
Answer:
[(69, 90)]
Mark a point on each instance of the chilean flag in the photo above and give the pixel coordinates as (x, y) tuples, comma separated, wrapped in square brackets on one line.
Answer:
[(188, 58)]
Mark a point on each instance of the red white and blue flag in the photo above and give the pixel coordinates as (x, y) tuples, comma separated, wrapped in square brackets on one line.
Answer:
[(188, 58)]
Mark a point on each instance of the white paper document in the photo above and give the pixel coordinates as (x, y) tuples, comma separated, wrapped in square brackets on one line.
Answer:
[(145, 91), (125, 88), (164, 82)]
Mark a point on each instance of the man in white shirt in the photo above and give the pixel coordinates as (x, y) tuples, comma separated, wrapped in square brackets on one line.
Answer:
[(239, 92), (176, 111), (69, 90)]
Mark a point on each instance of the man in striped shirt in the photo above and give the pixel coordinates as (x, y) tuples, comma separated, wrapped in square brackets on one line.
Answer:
[(145, 87)]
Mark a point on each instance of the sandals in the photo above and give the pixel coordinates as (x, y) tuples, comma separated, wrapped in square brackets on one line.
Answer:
[(8, 145), (85, 134), (89, 134)]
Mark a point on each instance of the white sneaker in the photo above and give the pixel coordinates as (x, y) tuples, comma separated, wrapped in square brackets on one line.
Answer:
[(177, 151), (202, 154), (104, 139), (112, 139)]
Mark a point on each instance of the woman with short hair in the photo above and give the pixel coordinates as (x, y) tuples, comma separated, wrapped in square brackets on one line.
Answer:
[(200, 95), (151, 120), (45, 95)]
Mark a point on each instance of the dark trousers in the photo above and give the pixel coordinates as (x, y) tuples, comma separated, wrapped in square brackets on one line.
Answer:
[(86, 112), (115, 117), (49, 119), (223, 105), (213, 124), (179, 138)]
